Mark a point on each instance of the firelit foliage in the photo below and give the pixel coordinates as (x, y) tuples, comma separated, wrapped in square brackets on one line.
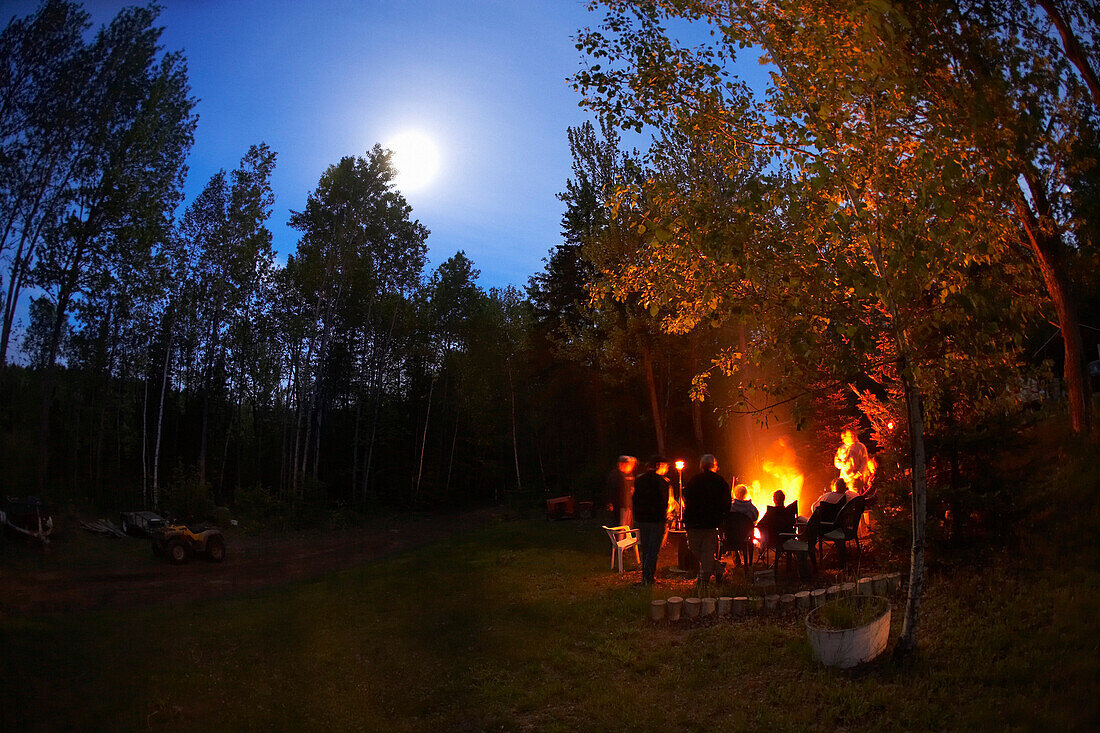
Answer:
[(864, 218)]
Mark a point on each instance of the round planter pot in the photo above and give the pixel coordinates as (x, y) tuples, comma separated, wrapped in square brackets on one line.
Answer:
[(848, 647)]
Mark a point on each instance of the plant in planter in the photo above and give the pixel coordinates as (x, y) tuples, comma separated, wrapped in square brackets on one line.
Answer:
[(850, 630)]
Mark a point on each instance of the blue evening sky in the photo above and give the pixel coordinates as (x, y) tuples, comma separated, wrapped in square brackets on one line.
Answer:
[(317, 80)]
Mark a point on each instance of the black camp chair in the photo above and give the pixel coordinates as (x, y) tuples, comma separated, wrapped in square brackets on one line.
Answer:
[(822, 520), (846, 528), (778, 534), (738, 537), (775, 522)]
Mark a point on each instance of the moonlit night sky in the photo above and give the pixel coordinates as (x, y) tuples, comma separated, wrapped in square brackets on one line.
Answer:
[(486, 80)]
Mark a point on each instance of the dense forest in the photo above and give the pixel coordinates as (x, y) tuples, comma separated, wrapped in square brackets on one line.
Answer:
[(885, 253)]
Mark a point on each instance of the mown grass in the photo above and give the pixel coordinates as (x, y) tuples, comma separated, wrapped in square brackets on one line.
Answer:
[(521, 626)]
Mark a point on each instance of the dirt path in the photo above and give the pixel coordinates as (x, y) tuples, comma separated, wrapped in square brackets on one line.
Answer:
[(58, 583)]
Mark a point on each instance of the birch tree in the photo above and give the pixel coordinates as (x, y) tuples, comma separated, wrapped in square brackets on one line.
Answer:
[(136, 127), (358, 246)]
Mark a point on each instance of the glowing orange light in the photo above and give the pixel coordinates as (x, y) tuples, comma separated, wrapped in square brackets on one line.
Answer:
[(679, 465), (786, 476), (890, 425), (779, 471)]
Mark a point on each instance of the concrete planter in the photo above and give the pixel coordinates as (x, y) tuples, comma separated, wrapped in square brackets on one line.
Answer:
[(851, 646)]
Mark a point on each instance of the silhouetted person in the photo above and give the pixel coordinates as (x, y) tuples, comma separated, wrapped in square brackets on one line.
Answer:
[(620, 491), (825, 510), (837, 494), (778, 519), (706, 503), (652, 491)]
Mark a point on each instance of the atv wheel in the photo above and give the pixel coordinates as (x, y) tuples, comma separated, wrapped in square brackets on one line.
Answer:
[(215, 549), (176, 552)]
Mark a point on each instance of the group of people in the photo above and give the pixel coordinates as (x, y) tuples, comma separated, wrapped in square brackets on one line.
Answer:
[(705, 503), (648, 500)]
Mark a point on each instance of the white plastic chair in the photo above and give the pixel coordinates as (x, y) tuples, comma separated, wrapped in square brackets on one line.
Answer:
[(622, 539)]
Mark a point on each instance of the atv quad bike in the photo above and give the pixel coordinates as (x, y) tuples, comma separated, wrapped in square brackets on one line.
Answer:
[(177, 542)]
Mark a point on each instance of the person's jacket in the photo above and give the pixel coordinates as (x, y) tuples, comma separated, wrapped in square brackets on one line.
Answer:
[(746, 507), (651, 497), (706, 501)]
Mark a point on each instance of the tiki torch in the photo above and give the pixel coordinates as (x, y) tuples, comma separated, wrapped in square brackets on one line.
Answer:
[(680, 482)]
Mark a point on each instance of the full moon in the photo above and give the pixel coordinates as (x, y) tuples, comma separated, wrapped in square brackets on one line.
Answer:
[(415, 158)]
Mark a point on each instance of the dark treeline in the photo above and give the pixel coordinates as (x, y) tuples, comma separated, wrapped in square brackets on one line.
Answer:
[(169, 361)]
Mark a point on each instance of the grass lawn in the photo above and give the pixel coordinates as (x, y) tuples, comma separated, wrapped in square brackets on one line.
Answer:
[(522, 626)]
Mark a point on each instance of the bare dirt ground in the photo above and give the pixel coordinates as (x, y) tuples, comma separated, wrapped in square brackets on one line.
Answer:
[(80, 571)]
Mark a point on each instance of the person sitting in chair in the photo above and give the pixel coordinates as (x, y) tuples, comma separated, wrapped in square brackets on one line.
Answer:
[(739, 524), (826, 509), (837, 494), (778, 519), (742, 504)]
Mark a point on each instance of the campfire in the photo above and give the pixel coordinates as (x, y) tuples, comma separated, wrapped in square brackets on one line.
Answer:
[(779, 470)]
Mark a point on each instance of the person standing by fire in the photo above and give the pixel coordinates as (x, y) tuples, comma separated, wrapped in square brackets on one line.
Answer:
[(620, 491), (706, 504), (851, 459), (652, 493)]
